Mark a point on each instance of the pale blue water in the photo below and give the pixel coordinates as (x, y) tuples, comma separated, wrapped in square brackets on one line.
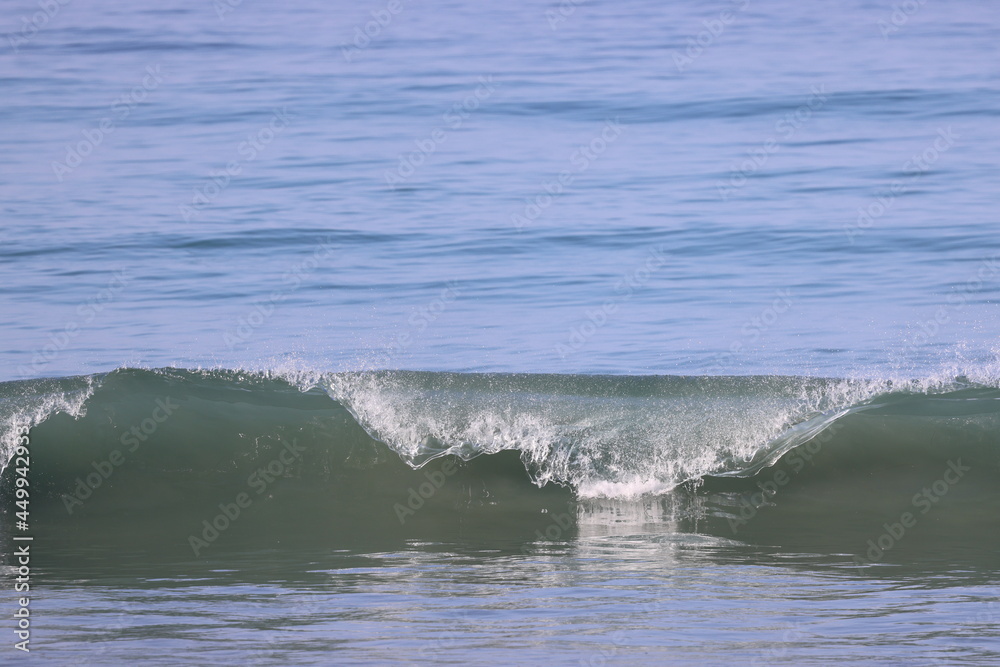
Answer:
[(520, 292), (627, 188)]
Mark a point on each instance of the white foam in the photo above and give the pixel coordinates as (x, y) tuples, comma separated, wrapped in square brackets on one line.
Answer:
[(602, 446), (26, 403)]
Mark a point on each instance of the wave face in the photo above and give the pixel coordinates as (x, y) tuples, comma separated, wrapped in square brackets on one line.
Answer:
[(382, 453)]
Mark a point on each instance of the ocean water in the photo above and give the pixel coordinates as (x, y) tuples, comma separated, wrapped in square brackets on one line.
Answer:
[(579, 332)]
